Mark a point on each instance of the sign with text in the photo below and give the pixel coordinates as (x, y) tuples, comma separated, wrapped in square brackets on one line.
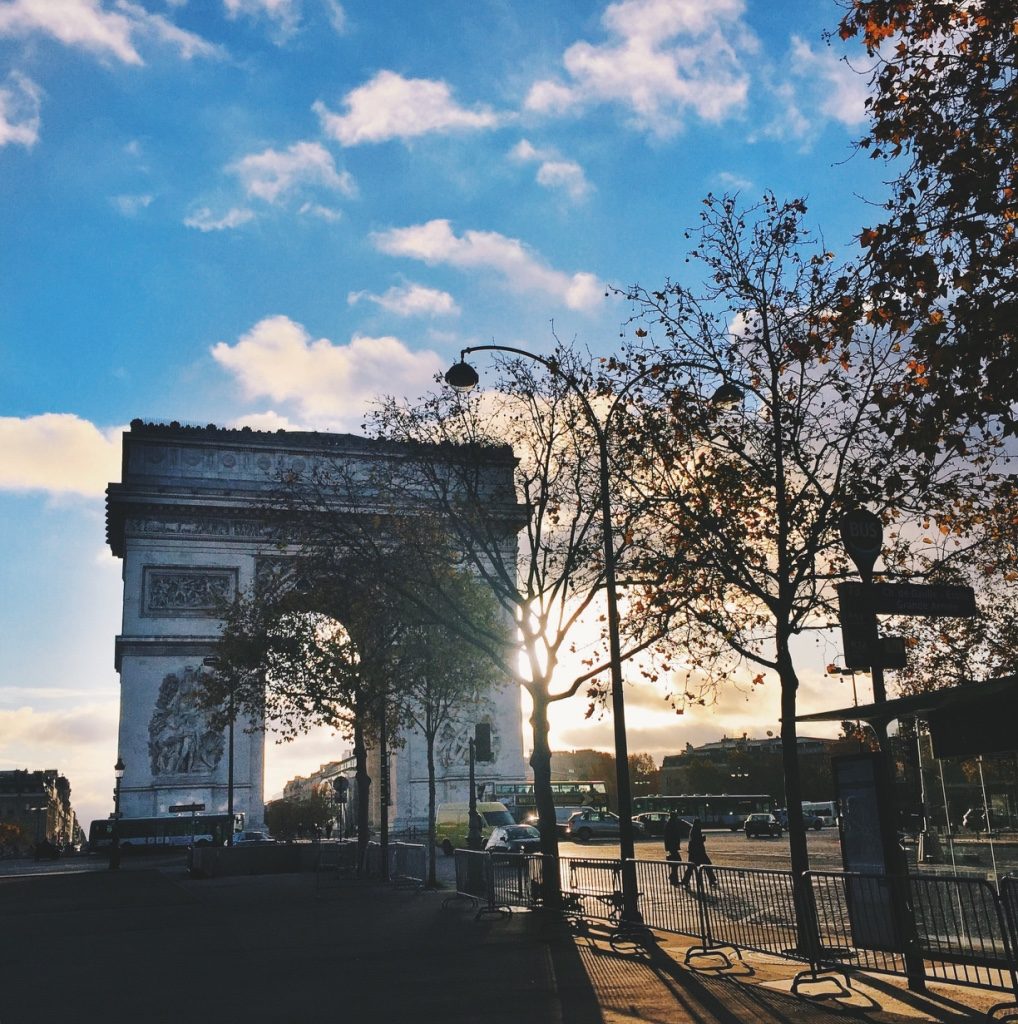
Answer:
[(186, 808), (862, 533), (927, 600)]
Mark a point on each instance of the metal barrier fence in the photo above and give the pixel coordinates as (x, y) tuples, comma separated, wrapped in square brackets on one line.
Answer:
[(592, 887), (968, 933), (964, 933), (516, 880), (750, 908), (407, 864)]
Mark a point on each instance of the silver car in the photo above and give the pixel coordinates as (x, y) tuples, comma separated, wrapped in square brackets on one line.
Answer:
[(593, 824)]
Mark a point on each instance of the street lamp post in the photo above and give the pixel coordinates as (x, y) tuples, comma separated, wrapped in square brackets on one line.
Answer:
[(214, 662), (118, 774), (463, 377)]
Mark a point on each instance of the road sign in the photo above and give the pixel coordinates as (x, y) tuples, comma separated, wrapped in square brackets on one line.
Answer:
[(186, 808), (862, 533), (909, 599), (926, 600)]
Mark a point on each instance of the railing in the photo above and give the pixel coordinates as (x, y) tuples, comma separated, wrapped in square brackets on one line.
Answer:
[(964, 931), (408, 863), (967, 931), (750, 908), (592, 887)]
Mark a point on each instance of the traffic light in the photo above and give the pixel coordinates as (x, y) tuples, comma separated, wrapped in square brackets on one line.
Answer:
[(482, 742), (341, 786)]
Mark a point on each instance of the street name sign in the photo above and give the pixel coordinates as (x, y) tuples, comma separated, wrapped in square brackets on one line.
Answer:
[(926, 600), (186, 808)]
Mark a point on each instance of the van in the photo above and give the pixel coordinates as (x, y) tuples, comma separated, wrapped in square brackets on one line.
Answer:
[(452, 823)]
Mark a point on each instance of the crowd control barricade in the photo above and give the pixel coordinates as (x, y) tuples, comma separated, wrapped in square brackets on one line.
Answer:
[(961, 923), (963, 932), (407, 864), (474, 882), (750, 908), (666, 906), (592, 887), (516, 880)]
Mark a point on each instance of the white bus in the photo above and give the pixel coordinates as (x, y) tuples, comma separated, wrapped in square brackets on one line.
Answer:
[(826, 811)]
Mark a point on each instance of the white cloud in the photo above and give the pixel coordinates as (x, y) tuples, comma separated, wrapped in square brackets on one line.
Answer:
[(411, 300), (130, 206), (273, 174), (19, 111), (337, 16), (436, 243), (319, 211), (393, 107), (326, 383), (663, 59), (843, 91), (157, 27), (91, 26), (58, 453), (283, 12), (553, 171), (735, 181), (205, 220)]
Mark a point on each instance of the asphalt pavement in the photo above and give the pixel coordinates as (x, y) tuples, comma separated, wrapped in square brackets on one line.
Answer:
[(152, 945)]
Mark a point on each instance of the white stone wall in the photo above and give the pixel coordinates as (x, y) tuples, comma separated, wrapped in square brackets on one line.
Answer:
[(182, 520)]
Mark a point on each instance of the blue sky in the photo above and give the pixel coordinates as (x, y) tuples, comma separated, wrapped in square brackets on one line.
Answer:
[(270, 211)]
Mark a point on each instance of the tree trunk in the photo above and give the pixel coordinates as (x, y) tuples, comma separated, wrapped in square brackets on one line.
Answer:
[(540, 761), (429, 734), (793, 795), (360, 753)]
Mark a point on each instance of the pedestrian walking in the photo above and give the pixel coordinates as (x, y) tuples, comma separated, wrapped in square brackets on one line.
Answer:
[(673, 845), (696, 851)]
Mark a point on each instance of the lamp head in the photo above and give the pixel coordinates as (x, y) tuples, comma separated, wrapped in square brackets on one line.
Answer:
[(728, 396), (462, 376), (118, 768)]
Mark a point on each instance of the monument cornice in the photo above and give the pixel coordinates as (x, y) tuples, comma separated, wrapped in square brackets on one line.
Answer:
[(164, 647)]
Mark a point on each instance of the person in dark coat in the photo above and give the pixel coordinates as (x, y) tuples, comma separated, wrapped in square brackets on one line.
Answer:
[(696, 851), (673, 844)]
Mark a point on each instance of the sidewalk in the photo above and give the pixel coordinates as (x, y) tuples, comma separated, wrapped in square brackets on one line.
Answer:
[(140, 945)]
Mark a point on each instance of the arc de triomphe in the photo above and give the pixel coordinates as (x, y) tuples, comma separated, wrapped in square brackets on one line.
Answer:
[(188, 519)]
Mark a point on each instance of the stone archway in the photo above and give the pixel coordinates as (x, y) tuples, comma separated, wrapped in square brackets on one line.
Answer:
[(188, 519)]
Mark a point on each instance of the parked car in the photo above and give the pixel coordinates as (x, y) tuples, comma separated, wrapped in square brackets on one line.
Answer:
[(562, 816), (250, 838), (653, 822), (514, 839), (588, 823), (762, 825)]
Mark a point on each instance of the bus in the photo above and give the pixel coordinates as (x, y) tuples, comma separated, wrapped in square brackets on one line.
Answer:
[(162, 832), (519, 800), (715, 810), (826, 811)]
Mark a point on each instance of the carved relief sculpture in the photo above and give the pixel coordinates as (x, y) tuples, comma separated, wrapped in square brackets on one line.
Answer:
[(180, 741), (187, 591)]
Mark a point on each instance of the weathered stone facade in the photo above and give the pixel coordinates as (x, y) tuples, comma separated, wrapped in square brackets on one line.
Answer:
[(189, 520)]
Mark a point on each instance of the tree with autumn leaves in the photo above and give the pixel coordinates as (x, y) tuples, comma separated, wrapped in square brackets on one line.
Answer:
[(942, 260), (741, 505)]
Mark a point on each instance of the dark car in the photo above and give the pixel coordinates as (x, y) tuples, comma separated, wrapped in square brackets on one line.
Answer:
[(762, 825), (514, 839)]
